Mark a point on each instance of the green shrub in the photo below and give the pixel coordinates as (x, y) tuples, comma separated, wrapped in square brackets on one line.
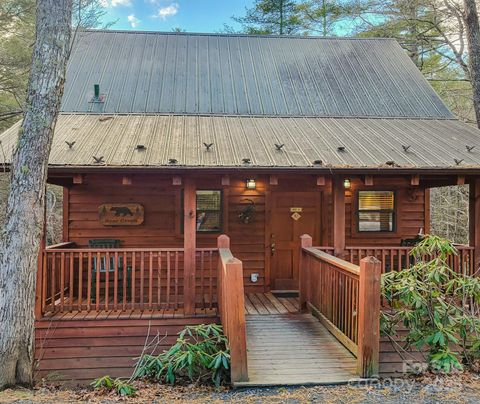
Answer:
[(438, 307), (122, 388), (200, 354)]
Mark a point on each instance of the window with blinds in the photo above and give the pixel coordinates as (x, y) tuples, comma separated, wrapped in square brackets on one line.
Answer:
[(376, 211), (209, 211)]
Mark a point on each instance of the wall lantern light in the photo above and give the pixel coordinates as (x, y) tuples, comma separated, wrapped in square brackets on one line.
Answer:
[(251, 184), (346, 183)]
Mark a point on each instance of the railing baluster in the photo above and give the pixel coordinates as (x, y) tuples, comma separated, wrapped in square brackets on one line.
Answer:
[(177, 280), (383, 260), (350, 308), (472, 262), (150, 281), (62, 283), (115, 281), (159, 280), (97, 283), (80, 280), (202, 285), (89, 281), (355, 313), (71, 278), (52, 286), (210, 277), (44, 281), (142, 278), (107, 278), (168, 279), (124, 281), (134, 286)]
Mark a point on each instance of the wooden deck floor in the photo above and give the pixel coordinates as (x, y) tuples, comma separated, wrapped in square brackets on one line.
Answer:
[(290, 348), (267, 303), (127, 314)]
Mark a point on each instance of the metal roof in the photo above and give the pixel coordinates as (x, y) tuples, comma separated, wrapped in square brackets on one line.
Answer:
[(151, 72), (367, 142)]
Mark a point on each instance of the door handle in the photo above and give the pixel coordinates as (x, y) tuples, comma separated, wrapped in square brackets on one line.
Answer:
[(272, 248)]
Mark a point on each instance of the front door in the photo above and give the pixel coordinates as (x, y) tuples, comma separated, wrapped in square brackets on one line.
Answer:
[(293, 214)]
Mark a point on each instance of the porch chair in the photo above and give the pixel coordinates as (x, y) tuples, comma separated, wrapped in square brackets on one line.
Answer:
[(410, 242), (102, 267)]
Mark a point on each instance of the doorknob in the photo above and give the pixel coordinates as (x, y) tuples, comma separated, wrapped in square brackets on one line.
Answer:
[(272, 248)]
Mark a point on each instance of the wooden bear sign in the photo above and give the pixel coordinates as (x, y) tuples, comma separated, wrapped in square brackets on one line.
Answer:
[(126, 214)]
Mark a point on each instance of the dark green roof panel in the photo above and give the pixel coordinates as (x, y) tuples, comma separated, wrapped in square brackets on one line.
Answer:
[(147, 72)]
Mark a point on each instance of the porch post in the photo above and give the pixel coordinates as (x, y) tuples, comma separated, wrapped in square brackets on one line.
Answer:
[(66, 212), (474, 220), (303, 273), (369, 294), (189, 244), (338, 193), (40, 267)]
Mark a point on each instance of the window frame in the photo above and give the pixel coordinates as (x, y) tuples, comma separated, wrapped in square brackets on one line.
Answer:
[(392, 211), (221, 208)]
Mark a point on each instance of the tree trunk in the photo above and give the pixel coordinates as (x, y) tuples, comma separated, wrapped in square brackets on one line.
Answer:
[(473, 39), (20, 238), (281, 17)]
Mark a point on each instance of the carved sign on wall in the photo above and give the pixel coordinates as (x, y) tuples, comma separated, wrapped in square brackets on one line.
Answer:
[(124, 214)]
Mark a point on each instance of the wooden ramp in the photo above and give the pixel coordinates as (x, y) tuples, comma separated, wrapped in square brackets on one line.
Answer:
[(294, 349)]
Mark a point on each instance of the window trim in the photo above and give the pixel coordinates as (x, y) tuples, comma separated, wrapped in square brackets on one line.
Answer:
[(393, 211), (220, 229)]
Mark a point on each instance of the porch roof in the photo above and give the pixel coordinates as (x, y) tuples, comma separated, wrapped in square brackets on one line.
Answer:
[(336, 142)]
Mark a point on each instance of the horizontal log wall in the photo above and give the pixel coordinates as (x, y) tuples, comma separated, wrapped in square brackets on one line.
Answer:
[(410, 213), (76, 352), (396, 363), (162, 226), (161, 200), (247, 240), (163, 213)]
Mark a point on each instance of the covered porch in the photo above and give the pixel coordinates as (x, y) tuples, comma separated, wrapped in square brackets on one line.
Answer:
[(255, 279)]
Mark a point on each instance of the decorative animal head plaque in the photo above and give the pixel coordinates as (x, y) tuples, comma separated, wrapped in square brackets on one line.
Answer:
[(125, 214)]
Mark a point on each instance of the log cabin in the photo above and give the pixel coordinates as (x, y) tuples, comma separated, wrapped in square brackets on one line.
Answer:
[(261, 182)]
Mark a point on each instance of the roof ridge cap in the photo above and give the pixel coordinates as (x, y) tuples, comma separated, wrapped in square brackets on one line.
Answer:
[(424, 118), (239, 34)]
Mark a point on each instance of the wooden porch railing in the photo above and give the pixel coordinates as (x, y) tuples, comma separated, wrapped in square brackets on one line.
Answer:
[(231, 306), (93, 279), (397, 258), (346, 299)]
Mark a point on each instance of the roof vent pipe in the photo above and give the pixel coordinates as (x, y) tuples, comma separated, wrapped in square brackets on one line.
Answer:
[(96, 91), (97, 97)]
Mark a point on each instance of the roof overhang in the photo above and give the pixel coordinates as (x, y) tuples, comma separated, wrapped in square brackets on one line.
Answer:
[(369, 145), (70, 170)]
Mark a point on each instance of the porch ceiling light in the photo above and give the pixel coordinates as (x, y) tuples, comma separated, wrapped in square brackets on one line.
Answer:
[(251, 184), (346, 183)]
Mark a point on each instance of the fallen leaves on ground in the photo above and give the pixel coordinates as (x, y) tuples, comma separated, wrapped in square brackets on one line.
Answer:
[(459, 388)]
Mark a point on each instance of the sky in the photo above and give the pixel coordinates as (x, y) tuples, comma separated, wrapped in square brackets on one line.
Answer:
[(166, 15)]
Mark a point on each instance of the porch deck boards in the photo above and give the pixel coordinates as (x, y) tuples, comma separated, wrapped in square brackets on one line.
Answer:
[(290, 348), (130, 313), (267, 303)]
